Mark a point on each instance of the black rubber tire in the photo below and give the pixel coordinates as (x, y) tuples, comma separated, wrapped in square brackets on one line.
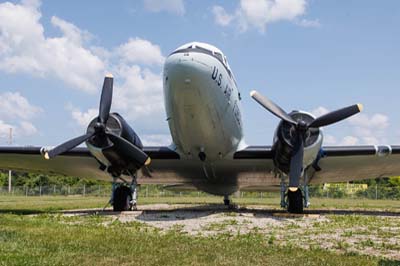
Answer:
[(227, 202), (295, 201), (121, 199)]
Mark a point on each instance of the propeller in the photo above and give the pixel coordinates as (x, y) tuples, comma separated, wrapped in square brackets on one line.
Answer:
[(102, 135), (301, 127)]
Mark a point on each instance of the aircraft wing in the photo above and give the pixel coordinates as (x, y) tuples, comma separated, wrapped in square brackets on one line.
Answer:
[(340, 163), (78, 162)]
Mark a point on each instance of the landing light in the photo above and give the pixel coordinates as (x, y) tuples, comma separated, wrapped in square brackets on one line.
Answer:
[(148, 161), (293, 189)]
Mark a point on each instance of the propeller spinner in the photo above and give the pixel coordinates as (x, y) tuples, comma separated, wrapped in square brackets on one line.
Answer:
[(301, 128)]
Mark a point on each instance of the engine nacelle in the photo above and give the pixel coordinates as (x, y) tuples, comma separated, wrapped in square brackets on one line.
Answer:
[(284, 138), (103, 149)]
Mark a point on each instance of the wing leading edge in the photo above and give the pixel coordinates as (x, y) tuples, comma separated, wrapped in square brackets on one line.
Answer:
[(78, 162)]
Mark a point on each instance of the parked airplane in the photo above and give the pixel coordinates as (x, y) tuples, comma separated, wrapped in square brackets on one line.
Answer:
[(208, 152)]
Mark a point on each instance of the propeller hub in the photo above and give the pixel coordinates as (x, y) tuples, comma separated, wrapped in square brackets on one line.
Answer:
[(99, 127), (302, 125)]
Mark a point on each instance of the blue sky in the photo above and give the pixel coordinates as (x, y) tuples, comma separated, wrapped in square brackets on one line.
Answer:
[(310, 55)]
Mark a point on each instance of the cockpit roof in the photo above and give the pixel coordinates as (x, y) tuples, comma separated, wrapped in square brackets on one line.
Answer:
[(206, 46)]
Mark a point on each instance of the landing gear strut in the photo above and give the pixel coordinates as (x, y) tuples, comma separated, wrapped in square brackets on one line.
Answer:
[(124, 196)]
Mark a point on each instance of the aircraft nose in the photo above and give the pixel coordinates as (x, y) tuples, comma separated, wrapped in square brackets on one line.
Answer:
[(181, 70)]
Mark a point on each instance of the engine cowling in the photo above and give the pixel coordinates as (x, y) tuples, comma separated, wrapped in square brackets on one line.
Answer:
[(285, 136), (106, 152)]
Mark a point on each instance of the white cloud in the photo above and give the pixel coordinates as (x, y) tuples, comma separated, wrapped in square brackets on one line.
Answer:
[(309, 23), (376, 121), (320, 111), (349, 141), (16, 112), (370, 129), (24, 128), (27, 128), (359, 129), (25, 48), (83, 118), (170, 6), (329, 140), (221, 16), (140, 95), (156, 140), (15, 106), (140, 51), (259, 13), (5, 132), (70, 31)]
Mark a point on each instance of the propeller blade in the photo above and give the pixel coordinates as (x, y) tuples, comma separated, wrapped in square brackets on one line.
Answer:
[(106, 99), (336, 116), (296, 164), (129, 150), (66, 146), (272, 107)]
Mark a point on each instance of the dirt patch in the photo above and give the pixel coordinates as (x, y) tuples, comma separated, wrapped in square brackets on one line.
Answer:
[(375, 234)]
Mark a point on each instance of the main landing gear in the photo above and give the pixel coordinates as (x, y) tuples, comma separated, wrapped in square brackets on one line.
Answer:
[(227, 201), (294, 200), (124, 195)]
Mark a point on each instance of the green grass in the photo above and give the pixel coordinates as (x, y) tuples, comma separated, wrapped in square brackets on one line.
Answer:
[(22, 204), (54, 239), (58, 240)]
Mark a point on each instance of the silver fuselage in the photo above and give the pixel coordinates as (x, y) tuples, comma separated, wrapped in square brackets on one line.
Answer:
[(202, 105)]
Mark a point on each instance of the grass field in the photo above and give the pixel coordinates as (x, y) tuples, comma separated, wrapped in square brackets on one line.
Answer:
[(55, 239), (22, 204)]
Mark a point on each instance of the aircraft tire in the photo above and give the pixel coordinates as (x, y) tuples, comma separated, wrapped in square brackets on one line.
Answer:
[(121, 199), (295, 201)]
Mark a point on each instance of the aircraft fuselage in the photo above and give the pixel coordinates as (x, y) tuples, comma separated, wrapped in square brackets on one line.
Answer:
[(202, 103)]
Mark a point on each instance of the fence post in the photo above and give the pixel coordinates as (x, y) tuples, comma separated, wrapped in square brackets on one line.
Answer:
[(84, 189), (376, 191), (40, 191)]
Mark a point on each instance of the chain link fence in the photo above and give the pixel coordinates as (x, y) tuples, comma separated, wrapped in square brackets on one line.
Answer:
[(321, 191)]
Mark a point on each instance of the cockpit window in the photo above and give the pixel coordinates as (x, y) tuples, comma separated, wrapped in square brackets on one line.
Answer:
[(203, 49), (219, 56)]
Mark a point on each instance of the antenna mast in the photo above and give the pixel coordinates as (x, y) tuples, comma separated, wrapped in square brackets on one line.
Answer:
[(9, 171)]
